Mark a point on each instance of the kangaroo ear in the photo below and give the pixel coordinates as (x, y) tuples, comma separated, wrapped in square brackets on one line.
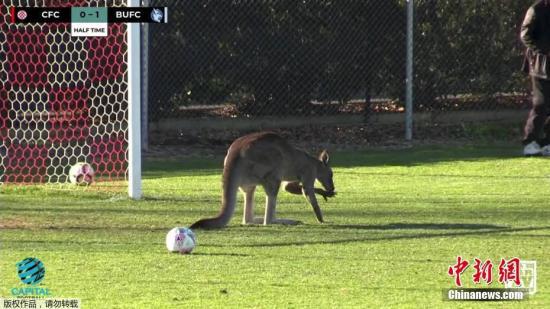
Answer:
[(323, 157)]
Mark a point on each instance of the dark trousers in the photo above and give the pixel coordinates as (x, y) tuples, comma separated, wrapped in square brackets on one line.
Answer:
[(537, 127)]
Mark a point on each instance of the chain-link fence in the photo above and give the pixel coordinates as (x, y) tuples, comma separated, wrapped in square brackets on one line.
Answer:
[(468, 55), (255, 58), (281, 58)]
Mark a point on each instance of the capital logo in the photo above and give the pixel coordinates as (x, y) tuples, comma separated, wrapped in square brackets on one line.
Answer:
[(31, 271)]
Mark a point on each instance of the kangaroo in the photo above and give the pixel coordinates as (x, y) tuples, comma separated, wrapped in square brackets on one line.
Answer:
[(268, 160)]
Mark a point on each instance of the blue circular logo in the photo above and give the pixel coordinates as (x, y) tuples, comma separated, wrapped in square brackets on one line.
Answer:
[(31, 270), (157, 15)]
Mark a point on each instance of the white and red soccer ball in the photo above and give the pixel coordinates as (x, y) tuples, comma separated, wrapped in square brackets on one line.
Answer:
[(181, 239), (81, 173)]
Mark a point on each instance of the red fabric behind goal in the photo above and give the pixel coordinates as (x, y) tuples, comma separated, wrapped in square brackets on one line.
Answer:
[(63, 99)]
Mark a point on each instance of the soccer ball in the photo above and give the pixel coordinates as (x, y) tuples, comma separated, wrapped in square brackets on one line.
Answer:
[(181, 239), (81, 173)]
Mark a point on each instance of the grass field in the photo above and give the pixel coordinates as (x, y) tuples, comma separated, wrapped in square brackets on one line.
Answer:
[(400, 218)]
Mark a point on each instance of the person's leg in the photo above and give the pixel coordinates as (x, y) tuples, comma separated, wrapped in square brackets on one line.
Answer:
[(545, 141), (534, 126)]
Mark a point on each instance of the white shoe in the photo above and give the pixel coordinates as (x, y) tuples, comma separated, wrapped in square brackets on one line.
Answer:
[(533, 149), (545, 150)]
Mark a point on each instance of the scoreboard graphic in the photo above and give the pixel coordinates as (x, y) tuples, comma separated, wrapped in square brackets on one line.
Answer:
[(89, 21)]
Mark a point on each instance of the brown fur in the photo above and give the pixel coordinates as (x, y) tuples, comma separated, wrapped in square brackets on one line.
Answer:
[(267, 159)]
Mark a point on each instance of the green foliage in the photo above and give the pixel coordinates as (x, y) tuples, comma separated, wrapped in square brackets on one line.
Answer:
[(467, 47), (399, 220), (282, 53), (277, 56)]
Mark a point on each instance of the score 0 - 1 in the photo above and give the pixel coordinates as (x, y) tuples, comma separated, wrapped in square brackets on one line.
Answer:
[(84, 14), (89, 14)]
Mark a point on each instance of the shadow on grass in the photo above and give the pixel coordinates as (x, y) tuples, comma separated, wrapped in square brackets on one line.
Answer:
[(424, 155), (463, 230), (220, 254), (472, 231), (390, 157), (183, 212), (419, 226), (176, 168), (112, 229), (478, 176)]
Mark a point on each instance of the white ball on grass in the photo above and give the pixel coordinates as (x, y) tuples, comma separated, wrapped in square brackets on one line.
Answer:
[(181, 239)]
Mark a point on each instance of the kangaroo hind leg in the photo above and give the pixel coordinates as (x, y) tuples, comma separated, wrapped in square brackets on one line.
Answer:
[(248, 210), (272, 190)]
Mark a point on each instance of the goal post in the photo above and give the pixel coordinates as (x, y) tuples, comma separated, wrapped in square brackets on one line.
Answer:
[(67, 99), (134, 102)]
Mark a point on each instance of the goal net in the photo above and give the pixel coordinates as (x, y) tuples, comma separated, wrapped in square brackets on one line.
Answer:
[(63, 99)]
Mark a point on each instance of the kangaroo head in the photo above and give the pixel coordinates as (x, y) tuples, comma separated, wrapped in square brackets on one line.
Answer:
[(324, 172)]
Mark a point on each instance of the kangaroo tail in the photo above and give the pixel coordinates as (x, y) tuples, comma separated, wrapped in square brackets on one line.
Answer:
[(230, 185)]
